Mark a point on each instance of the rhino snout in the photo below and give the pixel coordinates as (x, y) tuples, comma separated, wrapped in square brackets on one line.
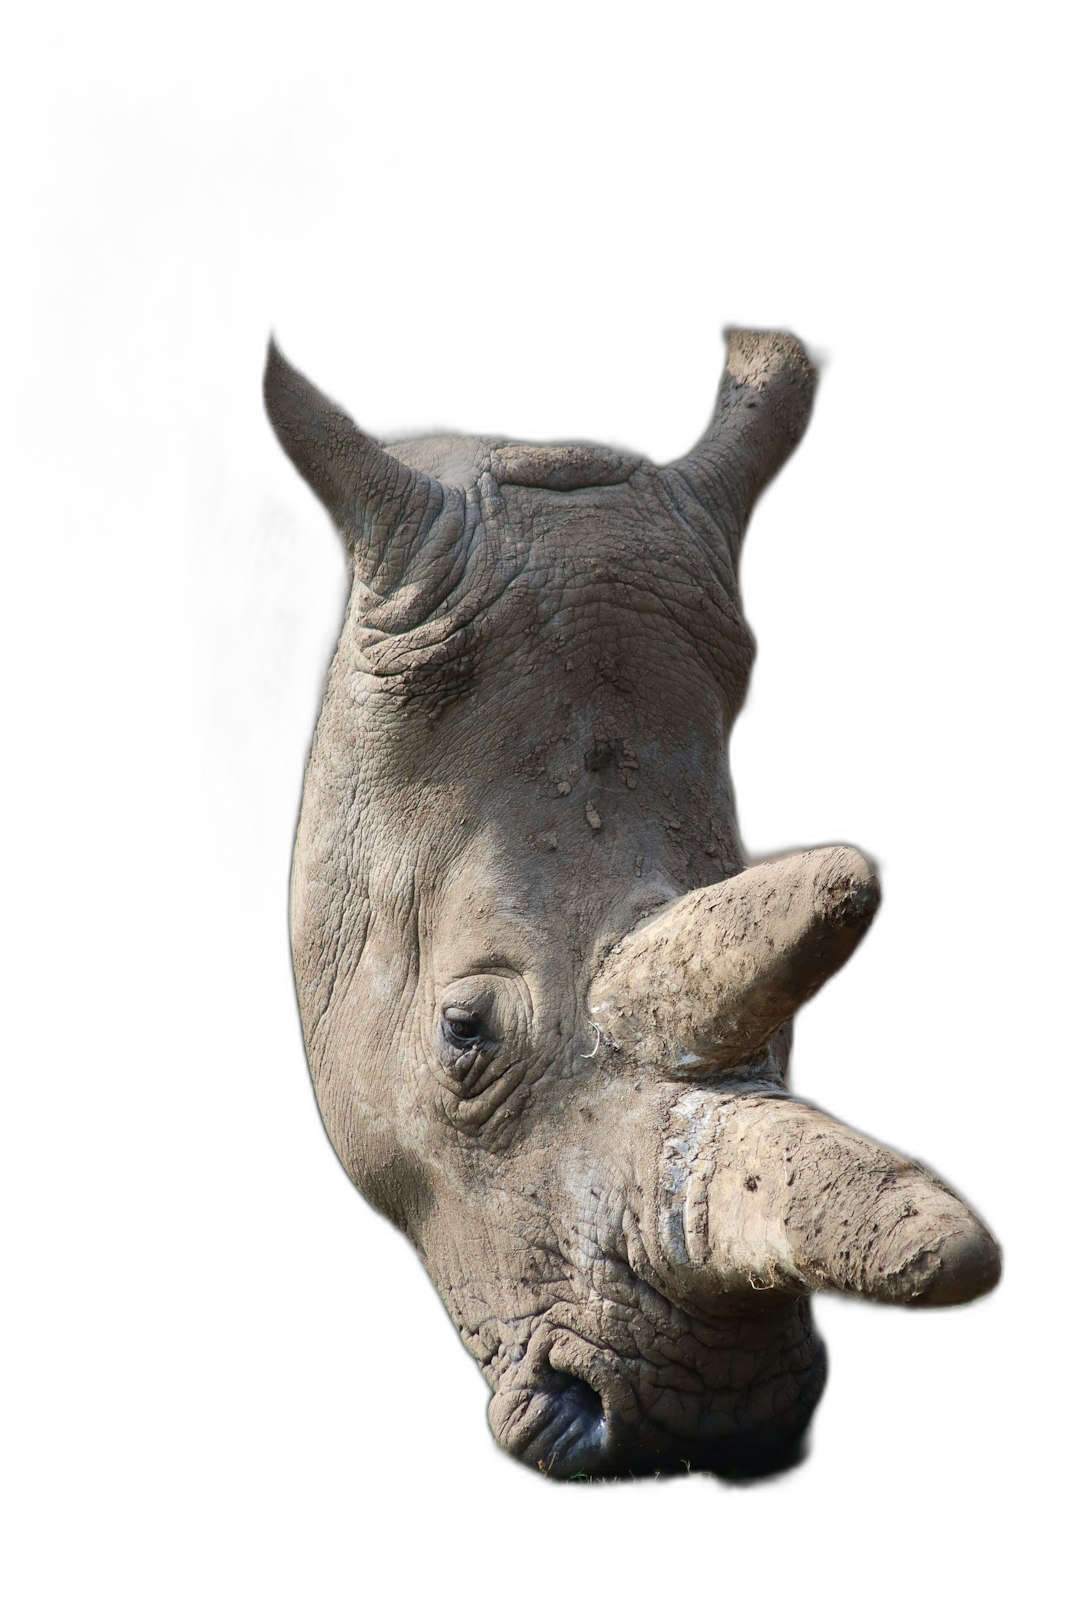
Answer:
[(732, 1400)]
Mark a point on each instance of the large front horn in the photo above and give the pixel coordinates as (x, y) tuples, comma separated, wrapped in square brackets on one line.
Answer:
[(752, 1190), (762, 408), (707, 981), (373, 498)]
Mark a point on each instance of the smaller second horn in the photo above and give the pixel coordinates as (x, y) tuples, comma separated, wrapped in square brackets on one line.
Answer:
[(706, 981)]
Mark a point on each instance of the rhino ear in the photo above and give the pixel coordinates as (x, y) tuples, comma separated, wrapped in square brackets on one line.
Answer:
[(762, 409), (369, 494)]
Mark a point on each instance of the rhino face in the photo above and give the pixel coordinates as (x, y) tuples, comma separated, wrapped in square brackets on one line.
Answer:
[(546, 1004)]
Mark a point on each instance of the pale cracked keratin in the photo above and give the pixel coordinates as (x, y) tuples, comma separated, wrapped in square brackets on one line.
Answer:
[(547, 1005)]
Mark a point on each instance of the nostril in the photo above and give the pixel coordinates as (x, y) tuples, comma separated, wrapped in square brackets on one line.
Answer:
[(555, 1422), (579, 1401)]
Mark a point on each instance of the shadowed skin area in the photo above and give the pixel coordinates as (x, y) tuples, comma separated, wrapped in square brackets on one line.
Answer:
[(546, 1006)]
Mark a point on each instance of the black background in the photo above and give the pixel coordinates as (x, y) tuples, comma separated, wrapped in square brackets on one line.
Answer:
[(261, 1324)]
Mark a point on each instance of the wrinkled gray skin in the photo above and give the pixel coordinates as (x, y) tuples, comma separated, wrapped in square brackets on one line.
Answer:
[(547, 1006)]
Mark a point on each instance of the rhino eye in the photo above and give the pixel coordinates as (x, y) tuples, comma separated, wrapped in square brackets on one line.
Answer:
[(462, 1029)]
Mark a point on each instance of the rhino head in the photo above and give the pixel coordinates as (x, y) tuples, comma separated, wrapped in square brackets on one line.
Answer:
[(546, 1002)]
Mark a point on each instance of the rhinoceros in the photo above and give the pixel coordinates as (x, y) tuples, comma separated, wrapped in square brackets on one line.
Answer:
[(546, 1000)]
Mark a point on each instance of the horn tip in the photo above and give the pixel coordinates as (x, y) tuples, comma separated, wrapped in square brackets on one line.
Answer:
[(849, 888), (968, 1266)]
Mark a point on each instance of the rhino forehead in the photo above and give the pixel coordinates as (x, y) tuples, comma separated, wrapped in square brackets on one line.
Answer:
[(609, 605), (458, 462)]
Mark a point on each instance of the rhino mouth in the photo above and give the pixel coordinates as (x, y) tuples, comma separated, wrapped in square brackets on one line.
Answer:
[(609, 1419)]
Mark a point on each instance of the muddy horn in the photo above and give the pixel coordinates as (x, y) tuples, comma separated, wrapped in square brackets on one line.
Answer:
[(756, 1191), (705, 983)]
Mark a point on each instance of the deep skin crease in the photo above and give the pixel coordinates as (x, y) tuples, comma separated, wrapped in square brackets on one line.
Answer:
[(522, 759)]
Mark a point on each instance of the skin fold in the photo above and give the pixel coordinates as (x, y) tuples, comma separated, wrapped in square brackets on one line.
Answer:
[(546, 1002)]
